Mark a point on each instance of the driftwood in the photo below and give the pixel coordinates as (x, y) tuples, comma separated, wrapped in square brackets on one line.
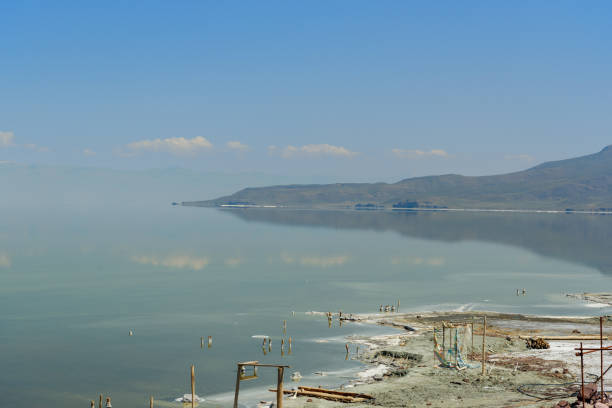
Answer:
[(345, 393), (331, 395), (582, 337)]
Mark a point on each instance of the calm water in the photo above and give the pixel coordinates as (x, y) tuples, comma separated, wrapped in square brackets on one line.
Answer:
[(73, 283)]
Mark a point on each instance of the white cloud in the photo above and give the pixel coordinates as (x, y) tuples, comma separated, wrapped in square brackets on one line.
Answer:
[(312, 150), (173, 145), (88, 152), (521, 157), (36, 147), (416, 154), (6, 139), (237, 146), (315, 261), (5, 261), (174, 261), (434, 261)]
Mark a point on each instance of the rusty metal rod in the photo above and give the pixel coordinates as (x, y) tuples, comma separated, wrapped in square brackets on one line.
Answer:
[(582, 375), (601, 355)]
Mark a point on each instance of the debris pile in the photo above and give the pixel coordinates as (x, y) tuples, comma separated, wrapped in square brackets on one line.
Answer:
[(537, 343), (549, 368), (591, 398)]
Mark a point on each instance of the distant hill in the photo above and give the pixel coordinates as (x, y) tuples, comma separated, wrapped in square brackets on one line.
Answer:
[(582, 183)]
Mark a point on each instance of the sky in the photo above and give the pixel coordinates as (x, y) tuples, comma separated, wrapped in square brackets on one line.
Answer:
[(344, 90)]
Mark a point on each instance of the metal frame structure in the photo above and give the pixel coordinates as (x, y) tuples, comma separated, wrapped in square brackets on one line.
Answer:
[(241, 377)]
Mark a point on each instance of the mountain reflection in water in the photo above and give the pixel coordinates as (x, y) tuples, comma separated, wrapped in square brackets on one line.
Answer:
[(580, 238)]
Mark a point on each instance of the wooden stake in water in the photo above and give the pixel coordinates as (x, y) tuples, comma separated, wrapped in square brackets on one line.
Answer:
[(151, 402), (209, 341), (398, 303), (100, 401), (192, 386), (202, 342), (237, 390), (284, 327), (484, 336), (93, 404)]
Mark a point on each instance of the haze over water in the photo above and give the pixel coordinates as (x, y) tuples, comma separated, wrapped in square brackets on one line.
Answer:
[(73, 283)]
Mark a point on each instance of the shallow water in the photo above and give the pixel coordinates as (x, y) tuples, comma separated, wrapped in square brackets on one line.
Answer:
[(73, 283)]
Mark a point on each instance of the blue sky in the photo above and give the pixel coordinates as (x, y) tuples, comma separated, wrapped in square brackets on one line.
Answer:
[(350, 90)]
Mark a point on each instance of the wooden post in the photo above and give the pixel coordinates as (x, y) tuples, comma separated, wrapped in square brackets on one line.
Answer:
[(209, 341), (92, 404), (100, 401), (472, 334), (601, 377), (582, 374), (279, 388), (434, 347), (192, 386), (398, 303), (151, 402), (443, 341), (484, 337), (202, 342), (237, 386), (456, 350)]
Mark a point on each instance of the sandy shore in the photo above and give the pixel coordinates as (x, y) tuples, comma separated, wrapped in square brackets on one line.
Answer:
[(419, 381)]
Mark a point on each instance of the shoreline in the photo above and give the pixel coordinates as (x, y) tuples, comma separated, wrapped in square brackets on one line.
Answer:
[(509, 363), (416, 209)]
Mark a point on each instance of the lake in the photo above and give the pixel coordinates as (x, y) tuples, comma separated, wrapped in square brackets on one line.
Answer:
[(73, 283)]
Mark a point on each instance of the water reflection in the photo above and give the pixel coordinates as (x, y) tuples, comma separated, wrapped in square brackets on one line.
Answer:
[(583, 239)]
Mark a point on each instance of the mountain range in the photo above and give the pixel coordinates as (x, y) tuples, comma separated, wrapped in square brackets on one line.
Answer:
[(581, 183)]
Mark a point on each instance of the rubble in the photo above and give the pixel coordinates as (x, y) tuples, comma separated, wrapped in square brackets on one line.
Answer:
[(537, 343)]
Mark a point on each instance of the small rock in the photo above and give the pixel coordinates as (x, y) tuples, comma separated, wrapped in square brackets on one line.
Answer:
[(589, 391), (601, 405)]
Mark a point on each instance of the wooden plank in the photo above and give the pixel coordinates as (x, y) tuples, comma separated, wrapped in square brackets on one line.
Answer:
[(322, 395), (263, 365), (345, 393)]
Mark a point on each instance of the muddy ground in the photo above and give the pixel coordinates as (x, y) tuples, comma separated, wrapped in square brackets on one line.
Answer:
[(420, 382)]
